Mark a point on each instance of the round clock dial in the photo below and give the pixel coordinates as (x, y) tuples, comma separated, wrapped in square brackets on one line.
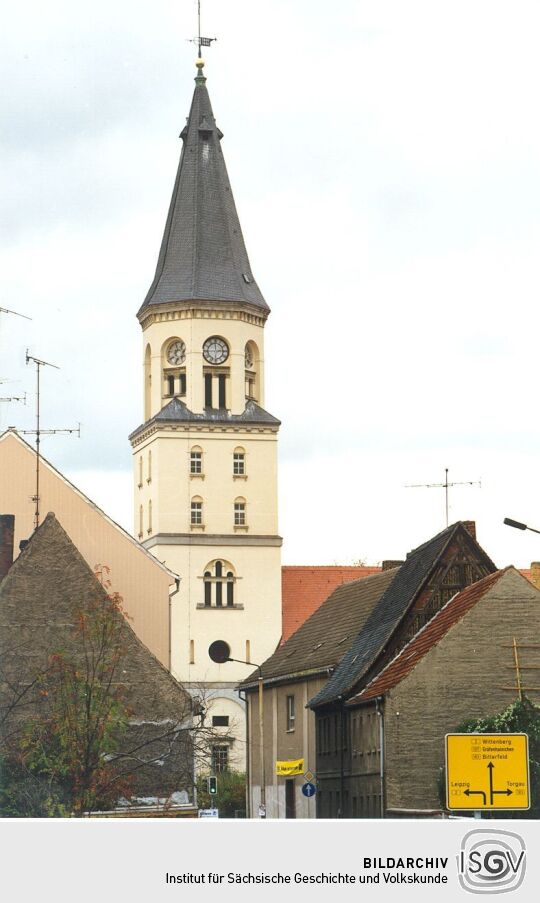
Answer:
[(215, 350), (176, 353)]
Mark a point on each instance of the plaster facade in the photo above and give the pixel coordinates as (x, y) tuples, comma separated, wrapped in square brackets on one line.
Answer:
[(142, 581), (205, 458), (283, 743)]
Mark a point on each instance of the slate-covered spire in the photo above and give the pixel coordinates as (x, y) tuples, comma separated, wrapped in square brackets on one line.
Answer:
[(203, 256)]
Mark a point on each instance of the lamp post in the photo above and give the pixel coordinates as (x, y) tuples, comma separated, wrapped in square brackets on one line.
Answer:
[(518, 525), (220, 652)]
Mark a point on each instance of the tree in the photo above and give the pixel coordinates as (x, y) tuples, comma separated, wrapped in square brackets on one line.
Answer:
[(75, 741), (70, 741)]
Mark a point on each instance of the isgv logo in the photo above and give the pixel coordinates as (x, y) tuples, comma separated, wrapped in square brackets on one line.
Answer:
[(491, 862)]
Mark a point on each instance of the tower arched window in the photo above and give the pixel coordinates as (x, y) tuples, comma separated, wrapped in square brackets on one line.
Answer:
[(147, 383), (141, 521), (219, 585), (150, 516), (173, 355), (252, 369), (216, 376)]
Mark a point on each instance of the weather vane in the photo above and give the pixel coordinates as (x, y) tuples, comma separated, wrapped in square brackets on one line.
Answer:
[(199, 40)]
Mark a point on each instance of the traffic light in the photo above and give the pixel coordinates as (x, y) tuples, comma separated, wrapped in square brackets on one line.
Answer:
[(204, 785), (212, 785)]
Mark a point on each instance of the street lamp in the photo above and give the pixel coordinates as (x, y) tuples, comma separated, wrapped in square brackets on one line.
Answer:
[(220, 652), (518, 525)]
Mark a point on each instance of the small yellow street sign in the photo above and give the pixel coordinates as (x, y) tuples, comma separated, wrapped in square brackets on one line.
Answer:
[(290, 767), (487, 771)]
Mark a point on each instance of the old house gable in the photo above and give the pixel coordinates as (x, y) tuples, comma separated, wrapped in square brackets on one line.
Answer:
[(429, 576), (48, 589), (137, 575)]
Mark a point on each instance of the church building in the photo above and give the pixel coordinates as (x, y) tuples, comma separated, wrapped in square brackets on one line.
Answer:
[(205, 457)]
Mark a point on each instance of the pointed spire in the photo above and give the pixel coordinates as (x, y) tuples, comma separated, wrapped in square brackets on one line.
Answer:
[(203, 256)]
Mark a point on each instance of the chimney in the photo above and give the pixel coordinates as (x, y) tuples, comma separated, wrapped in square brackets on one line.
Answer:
[(7, 535), (470, 526), (390, 563), (535, 573)]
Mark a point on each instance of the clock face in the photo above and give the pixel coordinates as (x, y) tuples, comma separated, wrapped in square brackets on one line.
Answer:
[(215, 350), (176, 353)]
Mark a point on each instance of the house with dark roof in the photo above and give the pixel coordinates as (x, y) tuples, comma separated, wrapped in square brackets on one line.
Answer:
[(45, 596), (428, 578), (298, 670), (440, 581), (460, 665)]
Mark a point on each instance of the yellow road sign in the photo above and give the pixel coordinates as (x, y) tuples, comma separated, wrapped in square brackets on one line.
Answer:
[(487, 771)]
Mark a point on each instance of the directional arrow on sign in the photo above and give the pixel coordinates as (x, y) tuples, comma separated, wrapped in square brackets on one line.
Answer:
[(493, 792), (471, 792)]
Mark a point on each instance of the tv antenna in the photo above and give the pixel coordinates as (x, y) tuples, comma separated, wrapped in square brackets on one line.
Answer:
[(199, 40), (7, 399), (446, 486), (38, 432), (14, 397), (4, 310)]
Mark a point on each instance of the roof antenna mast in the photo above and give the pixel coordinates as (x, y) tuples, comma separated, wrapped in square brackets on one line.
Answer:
[(446, 486), (38, 432)]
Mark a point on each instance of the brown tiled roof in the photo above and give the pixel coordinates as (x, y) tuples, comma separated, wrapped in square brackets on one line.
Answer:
[(304, 589), (324, 638), (427, 638)]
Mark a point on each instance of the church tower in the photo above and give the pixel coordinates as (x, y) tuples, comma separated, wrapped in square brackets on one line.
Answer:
[(205, 458)]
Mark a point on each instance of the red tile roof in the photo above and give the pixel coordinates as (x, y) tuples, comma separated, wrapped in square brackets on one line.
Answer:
[(427, 638), (305, 588)]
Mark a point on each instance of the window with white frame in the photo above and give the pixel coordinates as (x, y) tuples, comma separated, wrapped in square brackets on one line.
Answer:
[(220, 758), (196, 461), (290, 713), (196, 512), (240, 513), (239, 462)]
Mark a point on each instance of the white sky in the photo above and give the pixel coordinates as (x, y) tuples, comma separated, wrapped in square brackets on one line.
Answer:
[(384, 158)]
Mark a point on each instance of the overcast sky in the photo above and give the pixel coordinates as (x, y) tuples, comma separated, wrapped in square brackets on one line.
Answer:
[(384, 158)]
